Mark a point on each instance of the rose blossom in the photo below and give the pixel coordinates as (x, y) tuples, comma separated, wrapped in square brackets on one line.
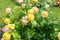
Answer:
[(44, 14), (35, 9), (5, 29), (8, 10), (24, 20), (23, 5)]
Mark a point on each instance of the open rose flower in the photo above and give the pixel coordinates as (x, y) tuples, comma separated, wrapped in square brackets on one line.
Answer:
[(44, 14), (24, 20), (35, 9), (8, 10), (6, 36), (30, 17), (5, 29), (7, 21)]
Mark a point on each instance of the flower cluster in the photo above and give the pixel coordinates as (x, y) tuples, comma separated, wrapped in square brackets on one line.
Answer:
[(30, 20), (7, 28)]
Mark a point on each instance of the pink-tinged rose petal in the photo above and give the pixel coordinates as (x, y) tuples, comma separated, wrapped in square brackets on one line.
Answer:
[(24, 22), (35, 9), (8, 10), (5, 29)]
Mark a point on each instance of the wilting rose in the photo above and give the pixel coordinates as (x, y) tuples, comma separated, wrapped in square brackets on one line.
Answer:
[(35, 9), (19, 1), (8, 10), (5, 29), (23, 5)]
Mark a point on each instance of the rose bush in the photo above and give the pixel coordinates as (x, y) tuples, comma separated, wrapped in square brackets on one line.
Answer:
[(31, 20)]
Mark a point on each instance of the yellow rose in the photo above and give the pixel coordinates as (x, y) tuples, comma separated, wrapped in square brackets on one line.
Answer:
[(7, 21), (30, 17), (30, 11), (11, 26), (35, 0), (6, 36), (44, 14)]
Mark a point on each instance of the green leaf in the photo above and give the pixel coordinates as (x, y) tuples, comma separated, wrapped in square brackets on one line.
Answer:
[(34, 23), (15, 35)]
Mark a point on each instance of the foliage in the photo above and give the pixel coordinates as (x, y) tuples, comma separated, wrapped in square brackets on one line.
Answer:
[(40, 28)]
